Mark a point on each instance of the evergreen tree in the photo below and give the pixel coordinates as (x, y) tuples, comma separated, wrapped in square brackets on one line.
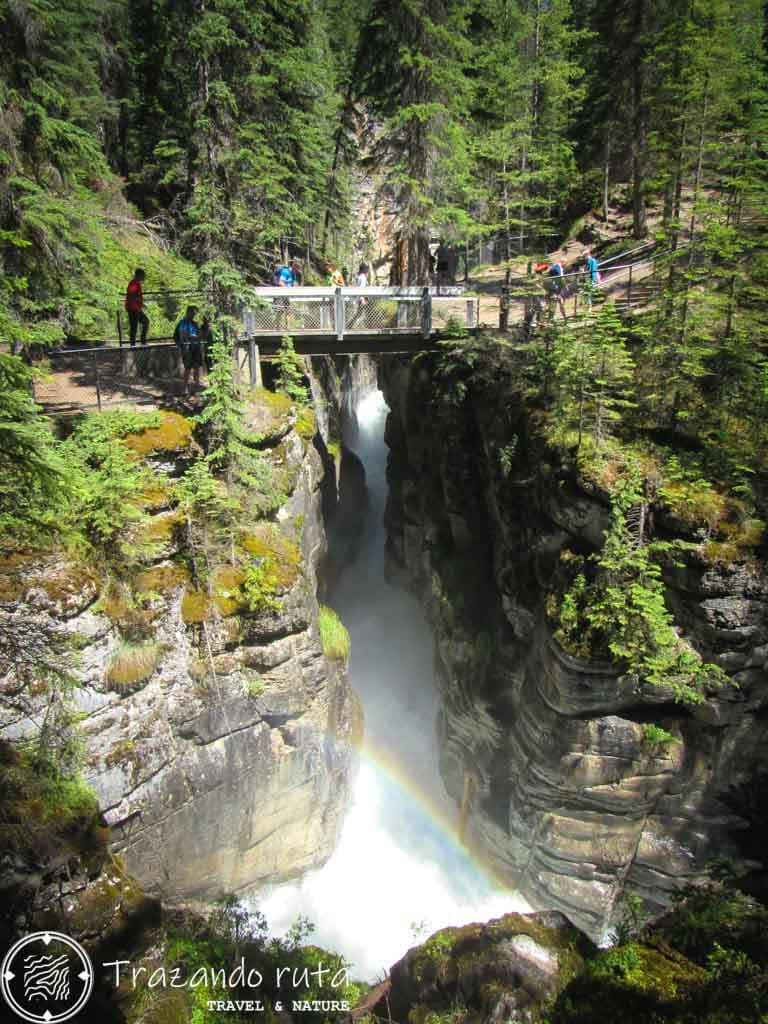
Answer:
[(526, 90), (411, 73)]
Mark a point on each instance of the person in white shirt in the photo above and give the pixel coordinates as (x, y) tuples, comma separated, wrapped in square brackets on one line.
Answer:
[(361, 281)]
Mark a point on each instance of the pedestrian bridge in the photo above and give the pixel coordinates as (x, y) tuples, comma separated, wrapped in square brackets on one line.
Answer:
[(347, 320)]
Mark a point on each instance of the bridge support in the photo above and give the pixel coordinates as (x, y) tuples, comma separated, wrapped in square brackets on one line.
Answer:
[(426, 313), (254, 364)]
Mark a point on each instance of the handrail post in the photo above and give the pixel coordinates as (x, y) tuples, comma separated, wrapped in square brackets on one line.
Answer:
[(470, 313), (119, 329), (338, 300), (629, 288), (98, 379), (504, 308), (426, 313)]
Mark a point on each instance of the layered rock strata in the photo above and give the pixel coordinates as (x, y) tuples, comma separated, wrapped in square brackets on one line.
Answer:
[(548, 754)]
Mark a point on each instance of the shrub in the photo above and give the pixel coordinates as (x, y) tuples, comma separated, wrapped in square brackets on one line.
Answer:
[(654, 736), (334, 636)]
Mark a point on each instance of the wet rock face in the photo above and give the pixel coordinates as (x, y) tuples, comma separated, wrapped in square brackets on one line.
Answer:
[(570, 797), (218, 743)]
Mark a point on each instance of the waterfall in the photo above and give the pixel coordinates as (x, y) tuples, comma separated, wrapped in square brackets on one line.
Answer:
[(399, 872)]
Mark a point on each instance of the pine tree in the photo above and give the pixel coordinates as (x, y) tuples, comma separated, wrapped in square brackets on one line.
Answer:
[(411, 73)]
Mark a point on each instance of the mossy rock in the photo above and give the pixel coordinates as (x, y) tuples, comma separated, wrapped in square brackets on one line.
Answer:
[(514, 963), (173, 435), (156, 496), (268, 541), (62, 587), (269, 416), (228, 595), (306, 424), (160, 579), (117, 603), (286, 467), (196, 606), (634, 983)]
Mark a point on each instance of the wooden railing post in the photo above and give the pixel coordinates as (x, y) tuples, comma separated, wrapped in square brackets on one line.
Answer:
[(119, 329), (470, 313), (339, 312), (504, 308), (629, 288), (426, 313)]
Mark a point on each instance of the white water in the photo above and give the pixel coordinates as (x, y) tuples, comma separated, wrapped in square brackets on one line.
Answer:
[(398, 873)]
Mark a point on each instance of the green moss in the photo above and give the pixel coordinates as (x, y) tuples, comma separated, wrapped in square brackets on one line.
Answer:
[(286, 471), (267, 541), (228, 595), (334, 636), (278, 404), (133, 664), (195, 606), (160, 529), (741, 539), (334, 450), (160, 579), (634, 983), (156, 494), (306, 424), (173, 434)]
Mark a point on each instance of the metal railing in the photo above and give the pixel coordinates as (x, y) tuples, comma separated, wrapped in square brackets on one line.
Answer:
[(356, 311)]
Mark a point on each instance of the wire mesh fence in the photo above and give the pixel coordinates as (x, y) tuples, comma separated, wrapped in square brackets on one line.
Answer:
[(77, 380)]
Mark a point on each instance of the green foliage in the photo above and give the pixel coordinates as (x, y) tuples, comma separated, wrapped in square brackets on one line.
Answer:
[(259, 585), (291, 373), (621, 613), (334, 636), (656, 737), (33, 479), (105, 478)]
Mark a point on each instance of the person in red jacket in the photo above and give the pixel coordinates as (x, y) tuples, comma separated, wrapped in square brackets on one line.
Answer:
[(134, 305)]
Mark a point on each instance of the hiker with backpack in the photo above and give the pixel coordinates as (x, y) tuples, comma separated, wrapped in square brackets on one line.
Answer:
[(134, 307), (187, 338), (554, 286)]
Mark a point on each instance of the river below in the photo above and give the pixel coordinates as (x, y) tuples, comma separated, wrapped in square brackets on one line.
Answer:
[(399, 872)]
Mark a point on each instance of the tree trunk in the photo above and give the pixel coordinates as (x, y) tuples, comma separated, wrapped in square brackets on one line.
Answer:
[(639, 123)]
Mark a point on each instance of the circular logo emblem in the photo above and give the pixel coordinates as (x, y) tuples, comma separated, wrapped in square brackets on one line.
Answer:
[(46, 977)]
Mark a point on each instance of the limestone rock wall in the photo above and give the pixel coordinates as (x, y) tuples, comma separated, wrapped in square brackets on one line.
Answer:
[(565, 797), (224, 759)]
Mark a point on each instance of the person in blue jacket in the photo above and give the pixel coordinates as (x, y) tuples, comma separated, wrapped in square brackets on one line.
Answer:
[(554, 285), (592, 270)]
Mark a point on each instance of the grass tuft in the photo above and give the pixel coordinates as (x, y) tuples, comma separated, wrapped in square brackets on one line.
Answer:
[(334, 635)]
